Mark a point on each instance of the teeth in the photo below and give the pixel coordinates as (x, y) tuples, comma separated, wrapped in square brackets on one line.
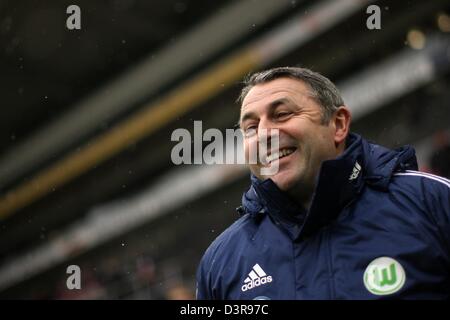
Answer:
[(277, 155), (272, 157)]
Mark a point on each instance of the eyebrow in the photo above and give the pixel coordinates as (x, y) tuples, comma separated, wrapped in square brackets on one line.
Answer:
[(272, 105)]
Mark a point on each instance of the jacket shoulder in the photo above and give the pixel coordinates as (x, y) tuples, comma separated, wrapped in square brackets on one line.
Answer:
[(428, 192), (235, 234), (218, 254), (424, 183)]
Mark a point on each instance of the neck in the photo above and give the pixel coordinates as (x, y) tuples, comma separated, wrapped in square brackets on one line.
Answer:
[(302, 195)]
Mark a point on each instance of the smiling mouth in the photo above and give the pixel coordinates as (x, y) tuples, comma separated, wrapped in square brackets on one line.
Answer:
[(284, 152)]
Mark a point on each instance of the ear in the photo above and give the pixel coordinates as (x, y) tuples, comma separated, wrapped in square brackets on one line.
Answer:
[(341, 119)]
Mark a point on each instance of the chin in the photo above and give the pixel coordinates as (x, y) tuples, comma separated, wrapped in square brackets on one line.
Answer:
[(284, 182)]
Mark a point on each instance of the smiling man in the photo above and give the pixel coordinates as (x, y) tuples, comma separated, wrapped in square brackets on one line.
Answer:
[(307, 133), (341, 218)]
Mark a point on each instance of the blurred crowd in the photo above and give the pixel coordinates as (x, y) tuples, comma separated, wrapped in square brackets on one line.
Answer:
[(138, 280), (439, 158)]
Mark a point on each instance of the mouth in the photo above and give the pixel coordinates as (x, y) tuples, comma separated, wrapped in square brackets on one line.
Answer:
[(283, 152)]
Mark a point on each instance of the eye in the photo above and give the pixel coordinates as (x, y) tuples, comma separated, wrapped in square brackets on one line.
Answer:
[(250, 131), (282, 114)]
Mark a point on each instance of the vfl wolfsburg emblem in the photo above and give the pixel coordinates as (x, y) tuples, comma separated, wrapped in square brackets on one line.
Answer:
[(384, 276)]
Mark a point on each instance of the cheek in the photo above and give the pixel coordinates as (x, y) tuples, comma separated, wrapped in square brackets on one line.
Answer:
[(246, 149), (250, 150)]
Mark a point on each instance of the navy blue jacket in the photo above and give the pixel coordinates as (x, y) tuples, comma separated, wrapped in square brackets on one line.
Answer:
[(376, 228)]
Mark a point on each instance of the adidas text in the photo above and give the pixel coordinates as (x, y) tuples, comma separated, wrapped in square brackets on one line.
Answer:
[(256, 283)]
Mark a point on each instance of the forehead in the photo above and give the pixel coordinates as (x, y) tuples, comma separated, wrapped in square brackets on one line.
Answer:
[(265, 93)]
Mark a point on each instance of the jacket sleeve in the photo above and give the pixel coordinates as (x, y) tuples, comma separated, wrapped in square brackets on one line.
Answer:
[(205, 275), (438, 201), (203, 290), (209, 271)]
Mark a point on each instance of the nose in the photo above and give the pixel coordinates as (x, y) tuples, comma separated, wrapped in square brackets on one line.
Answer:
[(265, 129), (268, 135)]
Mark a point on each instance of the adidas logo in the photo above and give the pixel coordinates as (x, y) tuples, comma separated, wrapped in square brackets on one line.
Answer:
[(355, 172), (256, 278)]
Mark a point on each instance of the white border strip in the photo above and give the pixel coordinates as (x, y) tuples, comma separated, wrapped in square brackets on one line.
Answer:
[(424, 175)]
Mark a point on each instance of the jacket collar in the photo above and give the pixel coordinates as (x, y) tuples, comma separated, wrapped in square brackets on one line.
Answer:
[(339, 182)]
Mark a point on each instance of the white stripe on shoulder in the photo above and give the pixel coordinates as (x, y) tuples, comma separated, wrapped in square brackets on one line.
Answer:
[(430, 175), (425, 175)]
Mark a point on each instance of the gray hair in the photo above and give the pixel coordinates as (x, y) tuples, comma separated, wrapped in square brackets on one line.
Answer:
[(321, 88)]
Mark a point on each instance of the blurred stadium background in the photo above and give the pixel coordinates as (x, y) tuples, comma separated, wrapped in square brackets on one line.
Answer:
[(87, 115)]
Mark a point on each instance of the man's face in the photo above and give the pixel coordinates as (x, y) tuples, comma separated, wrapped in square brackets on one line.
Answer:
[(304, 141)]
